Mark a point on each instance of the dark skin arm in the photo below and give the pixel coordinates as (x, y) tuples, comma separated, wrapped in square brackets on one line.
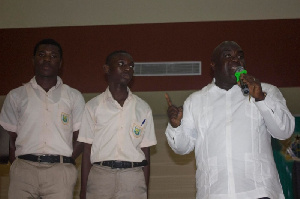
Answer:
[(77, 146), (146, 169), (12, 146), (85, 168)]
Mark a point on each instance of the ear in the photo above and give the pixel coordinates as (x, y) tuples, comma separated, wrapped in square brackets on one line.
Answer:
[(106, 68), (212, 65), (60, 64)]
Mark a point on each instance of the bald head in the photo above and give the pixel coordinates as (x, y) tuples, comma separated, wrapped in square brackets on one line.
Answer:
[(221, 47)]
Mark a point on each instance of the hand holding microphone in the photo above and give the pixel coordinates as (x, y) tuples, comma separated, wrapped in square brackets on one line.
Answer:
[(249, 84)]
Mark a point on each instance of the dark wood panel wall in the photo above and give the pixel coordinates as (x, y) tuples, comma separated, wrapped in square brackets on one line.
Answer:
[(272, 50)]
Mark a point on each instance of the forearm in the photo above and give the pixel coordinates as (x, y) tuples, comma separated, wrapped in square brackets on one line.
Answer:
[(179, 141), (77, 146), (280, 125), (278, 119), (85, 169), (12, 146), (77, 149), (12, 155), (146, 169)]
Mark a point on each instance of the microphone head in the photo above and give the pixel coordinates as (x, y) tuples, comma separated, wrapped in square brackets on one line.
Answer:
[(239, 69)]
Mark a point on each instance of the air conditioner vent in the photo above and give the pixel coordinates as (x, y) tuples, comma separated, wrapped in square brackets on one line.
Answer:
[(167, 68)]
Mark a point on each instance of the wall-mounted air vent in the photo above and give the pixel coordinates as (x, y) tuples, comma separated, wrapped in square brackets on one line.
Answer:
[(167, 68)]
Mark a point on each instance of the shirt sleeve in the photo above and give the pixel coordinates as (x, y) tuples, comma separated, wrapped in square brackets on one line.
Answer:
[(87, 129), (278, 119), (182, 139), (77, 111), (149, 138), (9, 114)]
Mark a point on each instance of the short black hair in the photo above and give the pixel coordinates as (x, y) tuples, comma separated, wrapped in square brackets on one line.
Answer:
[(48, 41), (113, 54)]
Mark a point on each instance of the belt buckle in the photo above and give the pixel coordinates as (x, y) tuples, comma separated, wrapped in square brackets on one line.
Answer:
[(115, 164), (39, 159)]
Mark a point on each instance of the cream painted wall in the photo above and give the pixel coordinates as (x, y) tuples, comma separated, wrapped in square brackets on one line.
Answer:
[(36, 13)]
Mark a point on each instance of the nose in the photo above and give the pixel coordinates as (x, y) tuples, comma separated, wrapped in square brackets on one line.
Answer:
[(235, 58), (127, 67), (47, 57)]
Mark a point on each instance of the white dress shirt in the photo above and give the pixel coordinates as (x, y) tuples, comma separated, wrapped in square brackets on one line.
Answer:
[(116, 132), (43, 121), (231, 137)]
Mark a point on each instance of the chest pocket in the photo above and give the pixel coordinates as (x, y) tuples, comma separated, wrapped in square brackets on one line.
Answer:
[(204, 113), (205, 117)]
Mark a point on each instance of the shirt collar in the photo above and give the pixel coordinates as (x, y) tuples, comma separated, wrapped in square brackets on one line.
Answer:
[(35, 85), (108, 94), (212, 86)]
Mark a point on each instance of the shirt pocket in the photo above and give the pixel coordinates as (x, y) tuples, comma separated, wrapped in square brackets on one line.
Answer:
[(257, 167)]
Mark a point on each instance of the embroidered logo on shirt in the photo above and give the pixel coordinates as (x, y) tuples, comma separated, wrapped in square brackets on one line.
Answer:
[(137, 130), (64, 118)]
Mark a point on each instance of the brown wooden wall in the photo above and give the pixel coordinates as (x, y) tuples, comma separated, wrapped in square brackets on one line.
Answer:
[(272, 50)]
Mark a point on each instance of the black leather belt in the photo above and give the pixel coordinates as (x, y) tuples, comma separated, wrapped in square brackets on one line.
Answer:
[(114, 164), (47, 158)]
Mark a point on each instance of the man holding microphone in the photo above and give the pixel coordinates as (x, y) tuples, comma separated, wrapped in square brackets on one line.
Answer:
[(231, 132)]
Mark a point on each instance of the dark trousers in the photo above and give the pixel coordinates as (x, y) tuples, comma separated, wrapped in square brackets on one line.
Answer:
[(296, 179)]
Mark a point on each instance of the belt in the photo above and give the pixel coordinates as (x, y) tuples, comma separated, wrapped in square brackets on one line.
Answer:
[(47, 158), (114, 164)]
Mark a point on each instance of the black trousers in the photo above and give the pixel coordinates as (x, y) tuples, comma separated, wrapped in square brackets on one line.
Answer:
[(296, 179)]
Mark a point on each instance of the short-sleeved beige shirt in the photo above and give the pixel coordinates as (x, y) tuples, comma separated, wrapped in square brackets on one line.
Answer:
[(44, 121), (115, 132)]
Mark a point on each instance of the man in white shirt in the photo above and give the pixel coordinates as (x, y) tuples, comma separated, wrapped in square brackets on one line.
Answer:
[(42, 118), (231, 133), (117, 130)]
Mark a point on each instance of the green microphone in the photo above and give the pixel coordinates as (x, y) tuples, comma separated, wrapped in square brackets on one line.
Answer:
[(244, 87)]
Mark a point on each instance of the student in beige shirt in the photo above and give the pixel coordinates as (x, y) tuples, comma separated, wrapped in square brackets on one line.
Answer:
[(42, 118), (118, 130)]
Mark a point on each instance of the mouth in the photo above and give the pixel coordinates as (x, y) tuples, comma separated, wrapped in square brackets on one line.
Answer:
[(126, 75), (235, 66)]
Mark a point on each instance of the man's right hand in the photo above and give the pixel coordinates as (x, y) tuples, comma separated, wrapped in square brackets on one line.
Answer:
[(174, 113)]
